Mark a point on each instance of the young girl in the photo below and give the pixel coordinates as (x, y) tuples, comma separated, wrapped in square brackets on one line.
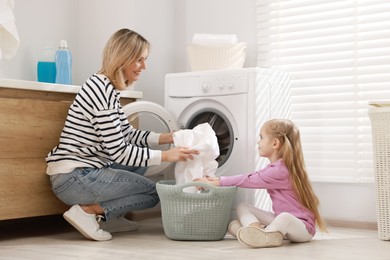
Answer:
[(295, 205)]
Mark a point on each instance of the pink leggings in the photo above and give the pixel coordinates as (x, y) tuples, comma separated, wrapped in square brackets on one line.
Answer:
[(290, 226)]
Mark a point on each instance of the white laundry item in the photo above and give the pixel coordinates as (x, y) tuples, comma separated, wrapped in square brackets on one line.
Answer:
[(9, 38), (203, 139)]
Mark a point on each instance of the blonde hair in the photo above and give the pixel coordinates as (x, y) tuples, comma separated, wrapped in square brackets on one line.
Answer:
[(123, 48), (292, 155)]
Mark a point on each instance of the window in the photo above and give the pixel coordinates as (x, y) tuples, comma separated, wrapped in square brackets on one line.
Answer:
[(338, 53)]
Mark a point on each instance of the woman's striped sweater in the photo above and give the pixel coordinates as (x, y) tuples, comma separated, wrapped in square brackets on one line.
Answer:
[(97, 133)]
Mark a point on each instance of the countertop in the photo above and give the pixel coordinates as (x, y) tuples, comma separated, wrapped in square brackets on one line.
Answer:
[(49, 87)]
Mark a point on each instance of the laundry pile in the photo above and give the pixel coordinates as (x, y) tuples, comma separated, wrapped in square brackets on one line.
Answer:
[(203, 139)]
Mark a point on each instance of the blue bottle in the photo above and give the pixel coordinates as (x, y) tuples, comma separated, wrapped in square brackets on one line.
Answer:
[(46, 66), (63, 64)]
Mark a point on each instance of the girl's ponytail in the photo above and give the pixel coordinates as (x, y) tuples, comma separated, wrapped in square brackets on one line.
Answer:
[(292, 155)]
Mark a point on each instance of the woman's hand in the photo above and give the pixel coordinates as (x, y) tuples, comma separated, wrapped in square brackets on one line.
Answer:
[(166, 138), (177, 154)]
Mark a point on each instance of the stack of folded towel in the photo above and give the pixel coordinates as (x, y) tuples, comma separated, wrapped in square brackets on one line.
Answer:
[(216, 52)]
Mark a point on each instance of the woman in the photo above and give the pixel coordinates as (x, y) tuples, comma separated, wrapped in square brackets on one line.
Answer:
[(99, 162)]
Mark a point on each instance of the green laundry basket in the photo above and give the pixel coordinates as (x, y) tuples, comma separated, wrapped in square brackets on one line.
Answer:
[(195, 216)]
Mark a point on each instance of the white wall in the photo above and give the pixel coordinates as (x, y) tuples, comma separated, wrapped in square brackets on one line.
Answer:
[(169, 26), (40, 22), (152, 19), (215, 17), (347, 201), (87, 25)]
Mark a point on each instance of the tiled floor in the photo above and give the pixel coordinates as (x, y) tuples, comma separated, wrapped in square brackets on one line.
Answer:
[(53, 238)]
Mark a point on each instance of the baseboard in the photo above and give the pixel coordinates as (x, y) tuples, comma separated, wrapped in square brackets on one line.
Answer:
[(342, 223)]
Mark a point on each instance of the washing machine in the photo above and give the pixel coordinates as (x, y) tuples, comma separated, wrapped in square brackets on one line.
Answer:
[(235, 103)]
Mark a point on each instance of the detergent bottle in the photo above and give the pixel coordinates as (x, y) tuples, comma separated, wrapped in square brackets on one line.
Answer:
[(63, 61)]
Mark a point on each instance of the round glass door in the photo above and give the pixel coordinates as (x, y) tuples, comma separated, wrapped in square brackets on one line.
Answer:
[(145, 115), (222, 128)]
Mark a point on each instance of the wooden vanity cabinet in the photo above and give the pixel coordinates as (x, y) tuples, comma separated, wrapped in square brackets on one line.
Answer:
[(30, 125)]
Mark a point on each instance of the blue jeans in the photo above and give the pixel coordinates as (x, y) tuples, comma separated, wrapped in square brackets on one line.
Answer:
[(118, 189)]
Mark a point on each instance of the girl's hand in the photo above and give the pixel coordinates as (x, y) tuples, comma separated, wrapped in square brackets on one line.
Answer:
[(209, 180), (177, 154)]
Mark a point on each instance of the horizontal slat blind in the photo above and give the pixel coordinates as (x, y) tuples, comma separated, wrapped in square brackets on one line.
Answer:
[(339, 55)]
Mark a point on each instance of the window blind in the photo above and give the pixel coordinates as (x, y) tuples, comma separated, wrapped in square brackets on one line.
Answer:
[(338, 53)]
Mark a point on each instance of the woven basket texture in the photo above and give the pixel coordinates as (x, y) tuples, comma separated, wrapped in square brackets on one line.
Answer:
[(380, 125), (195, 216)]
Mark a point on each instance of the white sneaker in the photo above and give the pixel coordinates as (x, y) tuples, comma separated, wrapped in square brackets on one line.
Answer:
[(86, 224), (256, 237), (119, 224)]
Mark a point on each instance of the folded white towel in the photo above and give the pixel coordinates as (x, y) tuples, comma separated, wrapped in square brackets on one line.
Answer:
[(203, 139), (9, 38), (214, 39)]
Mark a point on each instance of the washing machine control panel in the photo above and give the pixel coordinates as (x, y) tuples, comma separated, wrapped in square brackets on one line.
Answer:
[(223, 84), (209, 83)]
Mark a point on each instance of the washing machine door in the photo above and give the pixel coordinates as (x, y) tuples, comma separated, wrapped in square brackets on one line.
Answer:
[(222, 128), (151, 116)]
